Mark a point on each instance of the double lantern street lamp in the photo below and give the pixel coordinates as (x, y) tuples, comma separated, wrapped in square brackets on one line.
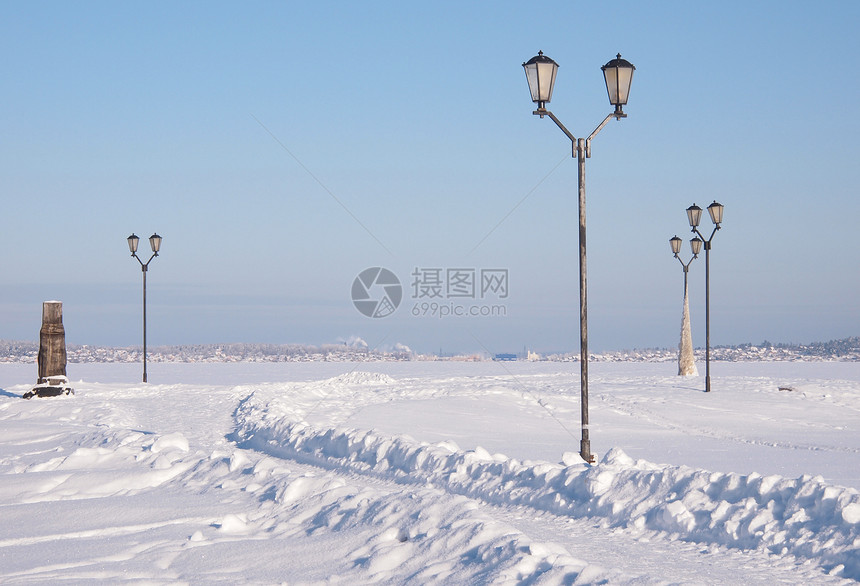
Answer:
[(694, 215), (618, 73), (695, 247), (155, 244), (686, 356)]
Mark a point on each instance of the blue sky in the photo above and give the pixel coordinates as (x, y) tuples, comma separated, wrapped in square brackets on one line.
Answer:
[(281, 148)]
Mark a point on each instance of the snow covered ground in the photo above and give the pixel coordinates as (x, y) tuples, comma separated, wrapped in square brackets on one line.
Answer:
[(431, 473)]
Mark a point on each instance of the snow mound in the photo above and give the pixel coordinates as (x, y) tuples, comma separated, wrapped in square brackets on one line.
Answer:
[(361, 378), (172, 441), (803, 517)]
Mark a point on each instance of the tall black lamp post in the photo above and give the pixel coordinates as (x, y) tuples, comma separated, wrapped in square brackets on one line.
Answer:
[(618, 73), (694, 215), (155, 244)]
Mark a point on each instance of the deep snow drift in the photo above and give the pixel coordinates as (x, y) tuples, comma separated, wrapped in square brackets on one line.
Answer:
[(432, 473)]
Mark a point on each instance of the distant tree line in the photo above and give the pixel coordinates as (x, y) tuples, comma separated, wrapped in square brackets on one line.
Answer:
[(18, 351), (846, 349), (833, 349)]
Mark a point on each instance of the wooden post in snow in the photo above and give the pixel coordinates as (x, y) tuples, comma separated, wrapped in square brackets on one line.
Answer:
[(52, 354), (52, 342)]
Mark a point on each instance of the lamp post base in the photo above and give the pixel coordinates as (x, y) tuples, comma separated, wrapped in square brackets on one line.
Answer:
[(585, 451)]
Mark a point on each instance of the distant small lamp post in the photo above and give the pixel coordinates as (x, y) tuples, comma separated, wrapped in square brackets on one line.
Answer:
[(155, 244), (686, 357), (695, 247), (618, 73), (694, 215)]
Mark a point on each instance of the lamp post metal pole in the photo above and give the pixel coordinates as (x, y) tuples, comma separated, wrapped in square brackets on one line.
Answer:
[(143, 268), (540, 73), (686, 271), (155, 244), (694, 214), (686, 356), (707, 245), (708, 315), (581, 150), (585, 442)]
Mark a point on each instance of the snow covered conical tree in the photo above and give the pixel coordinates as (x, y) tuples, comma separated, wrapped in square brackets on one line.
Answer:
[(686, 358)]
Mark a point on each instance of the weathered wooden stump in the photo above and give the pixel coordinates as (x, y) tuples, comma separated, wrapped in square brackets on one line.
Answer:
[(52, 379), (52, 341)]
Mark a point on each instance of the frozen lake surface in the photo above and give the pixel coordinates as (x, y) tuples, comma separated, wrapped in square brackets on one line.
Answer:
[(432, 472)]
